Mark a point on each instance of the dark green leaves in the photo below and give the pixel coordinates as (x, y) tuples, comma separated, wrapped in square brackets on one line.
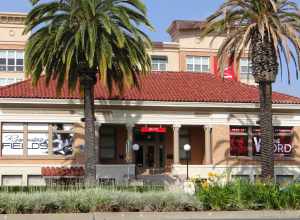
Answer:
[(103, 34)]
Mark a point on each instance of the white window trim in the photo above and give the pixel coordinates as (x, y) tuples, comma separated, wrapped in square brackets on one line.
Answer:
[(193, 63)]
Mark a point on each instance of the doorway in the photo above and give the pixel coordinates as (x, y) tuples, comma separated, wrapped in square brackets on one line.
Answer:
[(151, 155)]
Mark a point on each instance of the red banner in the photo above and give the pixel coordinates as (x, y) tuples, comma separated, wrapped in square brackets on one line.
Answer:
[(228, 71), (153, 130)]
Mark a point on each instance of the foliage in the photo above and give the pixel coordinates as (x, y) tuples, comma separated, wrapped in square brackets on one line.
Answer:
[(277, 21), (70, 37), (95, 199), (240, 195)]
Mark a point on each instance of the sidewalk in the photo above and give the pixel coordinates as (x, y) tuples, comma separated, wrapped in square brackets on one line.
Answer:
[(160, 216)]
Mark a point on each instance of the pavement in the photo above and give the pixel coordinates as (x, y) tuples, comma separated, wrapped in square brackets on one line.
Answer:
[(251, 215)]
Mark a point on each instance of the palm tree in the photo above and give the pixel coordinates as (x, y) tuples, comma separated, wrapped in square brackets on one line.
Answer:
[(267, 30), (81, 41)]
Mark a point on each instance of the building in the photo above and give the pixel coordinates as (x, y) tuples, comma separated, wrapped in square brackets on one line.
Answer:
[(12, 44), (217, 118), (184, 101), (185, 52)]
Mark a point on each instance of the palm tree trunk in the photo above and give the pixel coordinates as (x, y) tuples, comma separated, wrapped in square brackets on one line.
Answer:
[(88, 80), (267, 136), (90, 139)]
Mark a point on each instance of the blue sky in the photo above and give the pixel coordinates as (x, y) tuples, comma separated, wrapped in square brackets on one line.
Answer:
[(161, 14)]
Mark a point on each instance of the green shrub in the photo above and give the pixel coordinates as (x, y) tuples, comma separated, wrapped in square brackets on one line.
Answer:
[(241, 195), (95, 199)]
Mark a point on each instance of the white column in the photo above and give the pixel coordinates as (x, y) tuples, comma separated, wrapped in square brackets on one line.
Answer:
[(176, 159), (208, 150), (97, 136), (129, 151)]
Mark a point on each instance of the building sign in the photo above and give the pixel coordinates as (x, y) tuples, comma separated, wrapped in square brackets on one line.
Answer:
[(12, 143), (245, 143), (282, 141), (153, 130), (37, 144), (35, 138)]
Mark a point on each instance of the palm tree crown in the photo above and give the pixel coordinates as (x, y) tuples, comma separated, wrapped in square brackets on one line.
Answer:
[(267, 31), (242, 22), (102, 35)]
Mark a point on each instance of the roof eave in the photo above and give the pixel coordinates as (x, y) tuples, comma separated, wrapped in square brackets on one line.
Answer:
[(141, 103)]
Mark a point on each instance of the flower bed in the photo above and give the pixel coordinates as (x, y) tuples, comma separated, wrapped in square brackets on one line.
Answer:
[(241, 195)]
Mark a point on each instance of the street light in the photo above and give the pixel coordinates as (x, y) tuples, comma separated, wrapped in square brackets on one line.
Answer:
[(187, 149), (135, 148)]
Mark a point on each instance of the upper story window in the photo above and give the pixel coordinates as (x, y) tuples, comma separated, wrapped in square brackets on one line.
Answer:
[(245, 69), (159, 63), (198, 63), (4, 81), (11, 60)]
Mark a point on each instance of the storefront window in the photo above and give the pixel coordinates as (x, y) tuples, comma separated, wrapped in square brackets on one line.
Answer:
[(12, 139), (34, 137), (107, 142), (239, 141), (37, 139), (184, 138), (62, 139), (242, 137)]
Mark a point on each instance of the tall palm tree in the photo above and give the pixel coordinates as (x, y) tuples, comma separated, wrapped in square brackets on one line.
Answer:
[(81, 41), (267, 30)]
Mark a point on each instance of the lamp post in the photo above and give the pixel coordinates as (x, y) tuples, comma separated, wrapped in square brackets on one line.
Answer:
[(135, 148), (187, 149)]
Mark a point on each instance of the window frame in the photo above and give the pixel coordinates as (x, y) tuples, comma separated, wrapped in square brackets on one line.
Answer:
[(160, 61), (15, 59), (246, 75), (201, 63)]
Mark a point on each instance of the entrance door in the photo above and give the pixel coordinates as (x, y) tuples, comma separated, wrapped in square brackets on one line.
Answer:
[(150, 156)]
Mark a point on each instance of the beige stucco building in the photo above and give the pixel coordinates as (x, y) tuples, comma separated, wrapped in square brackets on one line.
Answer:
[(183, 101), (185, 53)]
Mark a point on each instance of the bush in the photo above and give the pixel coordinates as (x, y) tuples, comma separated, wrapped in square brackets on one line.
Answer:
[(95, 199), (242, 195)]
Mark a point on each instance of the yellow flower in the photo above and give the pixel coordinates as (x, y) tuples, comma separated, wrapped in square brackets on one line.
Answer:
[(205, 185)]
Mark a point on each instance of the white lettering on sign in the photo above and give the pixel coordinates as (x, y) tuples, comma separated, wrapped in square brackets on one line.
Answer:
[(278, 147)]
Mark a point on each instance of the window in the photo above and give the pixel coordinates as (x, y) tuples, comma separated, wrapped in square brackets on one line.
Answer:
[(35, 180), (37, 142), (107, 142), (184, 138), (12, 139), (159, 63), (32, 139), (246, 141), (284, 180), (8, 81), (62, 139), (239, 141), (11, 180), (198, 64), (245, 69), (11, 60), (245, 178)]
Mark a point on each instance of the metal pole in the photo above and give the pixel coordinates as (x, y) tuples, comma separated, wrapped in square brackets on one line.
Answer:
[(187, 165)]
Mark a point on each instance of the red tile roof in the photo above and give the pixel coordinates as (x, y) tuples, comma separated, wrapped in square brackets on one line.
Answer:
[(158, 86)]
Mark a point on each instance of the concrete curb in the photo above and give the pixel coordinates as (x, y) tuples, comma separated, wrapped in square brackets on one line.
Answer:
[(160, 216)]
